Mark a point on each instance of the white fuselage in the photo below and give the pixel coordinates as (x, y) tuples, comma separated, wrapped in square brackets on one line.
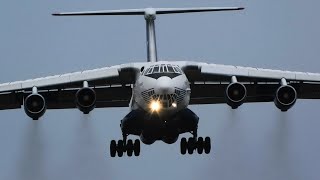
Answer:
[(164, 84)]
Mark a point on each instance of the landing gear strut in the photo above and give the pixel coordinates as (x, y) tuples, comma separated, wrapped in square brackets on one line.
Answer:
[(125, 146)]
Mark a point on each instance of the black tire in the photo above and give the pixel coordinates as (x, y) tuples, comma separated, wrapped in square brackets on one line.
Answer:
[(129, 148), (200, 145), (136, 147), (113, 148), (191, 145), (120, 148), (207, 145), (183, 146)]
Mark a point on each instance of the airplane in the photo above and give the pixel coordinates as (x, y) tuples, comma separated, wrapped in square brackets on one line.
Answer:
[(158, 92)]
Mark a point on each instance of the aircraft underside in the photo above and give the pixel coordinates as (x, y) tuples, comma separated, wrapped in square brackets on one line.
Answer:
[(151, 127)]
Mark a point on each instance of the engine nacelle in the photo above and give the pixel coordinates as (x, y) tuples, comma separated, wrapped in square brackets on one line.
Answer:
[(285, 97), (235, 94), (35, 106), (86, 99)]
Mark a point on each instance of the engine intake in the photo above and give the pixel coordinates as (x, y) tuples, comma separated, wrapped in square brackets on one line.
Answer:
[(35, 106), (235, 94), (285, 97), (86, 99)]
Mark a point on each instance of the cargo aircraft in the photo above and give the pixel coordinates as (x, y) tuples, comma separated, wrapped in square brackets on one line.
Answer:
[(158, 92)]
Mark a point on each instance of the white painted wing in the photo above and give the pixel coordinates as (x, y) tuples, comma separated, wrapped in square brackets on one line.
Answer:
[(107, 75), (256, 73), (209, 81), (112, 84)]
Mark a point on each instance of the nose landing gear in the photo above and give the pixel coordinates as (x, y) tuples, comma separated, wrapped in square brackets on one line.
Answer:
[(122, 146)]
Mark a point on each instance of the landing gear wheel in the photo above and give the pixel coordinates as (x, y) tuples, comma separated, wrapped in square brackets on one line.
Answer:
[(207, 145), (120, 148), (129, 148), (183, 146), (136, 147), (191, 145), (200, 145), (113, 148)]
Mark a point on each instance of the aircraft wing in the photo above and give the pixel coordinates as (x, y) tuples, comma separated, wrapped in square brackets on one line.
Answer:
[(112, 86), (209, 82)]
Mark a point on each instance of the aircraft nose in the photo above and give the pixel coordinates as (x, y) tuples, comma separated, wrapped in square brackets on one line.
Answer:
[(164, 85)]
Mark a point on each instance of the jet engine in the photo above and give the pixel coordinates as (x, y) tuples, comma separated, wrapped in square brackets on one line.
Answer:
[(35, 106), (285, 97), (86, 99), (235, 94)]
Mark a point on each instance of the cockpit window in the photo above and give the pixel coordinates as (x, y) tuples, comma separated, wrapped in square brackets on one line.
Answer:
[(162, 68), (157, 71), (149, 70), (170, 69), (165, 69), (176, 69)]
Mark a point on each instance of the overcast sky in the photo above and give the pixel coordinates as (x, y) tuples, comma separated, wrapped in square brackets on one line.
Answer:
[(254, 142)]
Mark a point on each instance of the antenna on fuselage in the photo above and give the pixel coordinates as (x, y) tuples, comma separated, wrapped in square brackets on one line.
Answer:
[(150, 16)]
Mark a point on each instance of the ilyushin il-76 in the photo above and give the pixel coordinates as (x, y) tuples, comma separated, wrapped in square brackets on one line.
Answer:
[(158, 92)]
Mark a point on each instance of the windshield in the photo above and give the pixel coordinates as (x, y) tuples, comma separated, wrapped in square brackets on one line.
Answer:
[(163, 68)]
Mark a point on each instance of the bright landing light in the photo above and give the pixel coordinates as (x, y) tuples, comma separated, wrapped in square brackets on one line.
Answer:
[(155, 106), (174, 105)]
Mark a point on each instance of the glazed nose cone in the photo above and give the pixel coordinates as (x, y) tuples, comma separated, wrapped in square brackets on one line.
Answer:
[(164, 85)]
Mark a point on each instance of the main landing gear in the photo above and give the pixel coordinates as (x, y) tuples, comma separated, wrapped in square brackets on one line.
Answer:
[(192, 144), (122, 146), (133, 148)]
